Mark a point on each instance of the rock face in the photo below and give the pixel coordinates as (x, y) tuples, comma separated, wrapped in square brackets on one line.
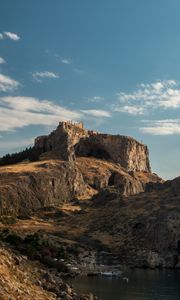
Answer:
[(75, 162), (99, 174), (130, 154), (144, 230), (71, 140), (131, 213), (61, 141), (28, 187), (22, 279), (17, 278)]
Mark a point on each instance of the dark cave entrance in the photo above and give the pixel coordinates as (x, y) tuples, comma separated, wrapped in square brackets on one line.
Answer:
[(88, 149), (112, 179), (98, 153)]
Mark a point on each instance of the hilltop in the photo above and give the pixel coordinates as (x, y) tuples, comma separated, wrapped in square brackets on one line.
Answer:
[(90, 199), (73, 163)]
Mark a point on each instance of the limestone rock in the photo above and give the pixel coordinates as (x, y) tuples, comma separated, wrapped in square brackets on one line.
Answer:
[(100, 174), (71, 140), (28, 187)]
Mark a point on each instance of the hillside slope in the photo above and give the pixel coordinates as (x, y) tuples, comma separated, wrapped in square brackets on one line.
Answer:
[(93, 198)]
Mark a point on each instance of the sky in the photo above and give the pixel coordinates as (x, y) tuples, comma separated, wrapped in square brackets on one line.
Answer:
[(115, 65)]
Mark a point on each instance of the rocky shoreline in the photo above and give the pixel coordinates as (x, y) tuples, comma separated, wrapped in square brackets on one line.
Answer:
[(21, 278)]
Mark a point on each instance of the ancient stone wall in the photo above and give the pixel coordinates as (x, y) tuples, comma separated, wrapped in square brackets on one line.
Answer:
[(62, 140), (70, 140)]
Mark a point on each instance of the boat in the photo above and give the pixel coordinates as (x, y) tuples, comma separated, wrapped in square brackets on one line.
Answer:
[(112, 274)]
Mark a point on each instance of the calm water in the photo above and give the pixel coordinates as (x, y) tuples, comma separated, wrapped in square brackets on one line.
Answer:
[(142, 285)]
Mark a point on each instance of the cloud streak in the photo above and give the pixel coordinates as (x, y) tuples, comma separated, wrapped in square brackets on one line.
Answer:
[(7, 84), (10, 35), (97, 113), (2, 61), (39, 76), (25, 111), (158, 95), (130, 109), (66, 61), (161, 127)]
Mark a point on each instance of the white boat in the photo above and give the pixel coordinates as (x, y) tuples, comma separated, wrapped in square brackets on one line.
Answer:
[(112, 274)]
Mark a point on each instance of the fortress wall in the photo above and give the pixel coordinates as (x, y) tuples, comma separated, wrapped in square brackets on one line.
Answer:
[(70, 137)]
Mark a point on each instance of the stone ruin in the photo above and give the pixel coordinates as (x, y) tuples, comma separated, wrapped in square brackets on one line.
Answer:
[(70, 140)]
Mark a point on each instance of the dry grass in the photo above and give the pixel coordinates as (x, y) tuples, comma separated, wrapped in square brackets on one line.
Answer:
[(17, 281), (27, 166)]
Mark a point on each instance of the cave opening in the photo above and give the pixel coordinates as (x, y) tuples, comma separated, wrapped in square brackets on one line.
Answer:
[(98, 153), (53, 182), (91, 150), (112, 179)]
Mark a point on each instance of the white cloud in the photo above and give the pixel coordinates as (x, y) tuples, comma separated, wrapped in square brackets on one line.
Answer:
[(2, 61), (66, 61), (24, 111), (1, 36), (161, 94), (12, 36), (132, 110), (38, 76), (162, 127), (97, 113), (7, 84)]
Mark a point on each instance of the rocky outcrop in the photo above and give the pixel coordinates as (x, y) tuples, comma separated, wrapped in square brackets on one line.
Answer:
[(74, 162), (131, 216), (130, 154), (100, 174), (61, 141), (28, 187), (144, 230), (22, 279), (71, 140), (18, 279)]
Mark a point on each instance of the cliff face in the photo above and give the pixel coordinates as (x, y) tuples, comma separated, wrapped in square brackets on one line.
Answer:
[(22, 279), (130, 211), (24, 188), (61, 141), (130, 154), (71, 140), (143, 231), (80, 163), (99, 174)]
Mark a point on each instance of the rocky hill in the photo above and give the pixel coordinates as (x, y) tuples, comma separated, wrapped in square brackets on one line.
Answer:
[(89, 199), (74, 162), (70, 140)]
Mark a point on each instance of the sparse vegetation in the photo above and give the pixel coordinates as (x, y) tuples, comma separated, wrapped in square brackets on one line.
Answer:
[(8, 220), (31, 154)]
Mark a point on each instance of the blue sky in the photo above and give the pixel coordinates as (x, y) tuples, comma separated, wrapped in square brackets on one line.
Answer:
[(113, 64)]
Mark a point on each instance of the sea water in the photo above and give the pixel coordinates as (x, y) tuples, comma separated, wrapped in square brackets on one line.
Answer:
[(141, 285)]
